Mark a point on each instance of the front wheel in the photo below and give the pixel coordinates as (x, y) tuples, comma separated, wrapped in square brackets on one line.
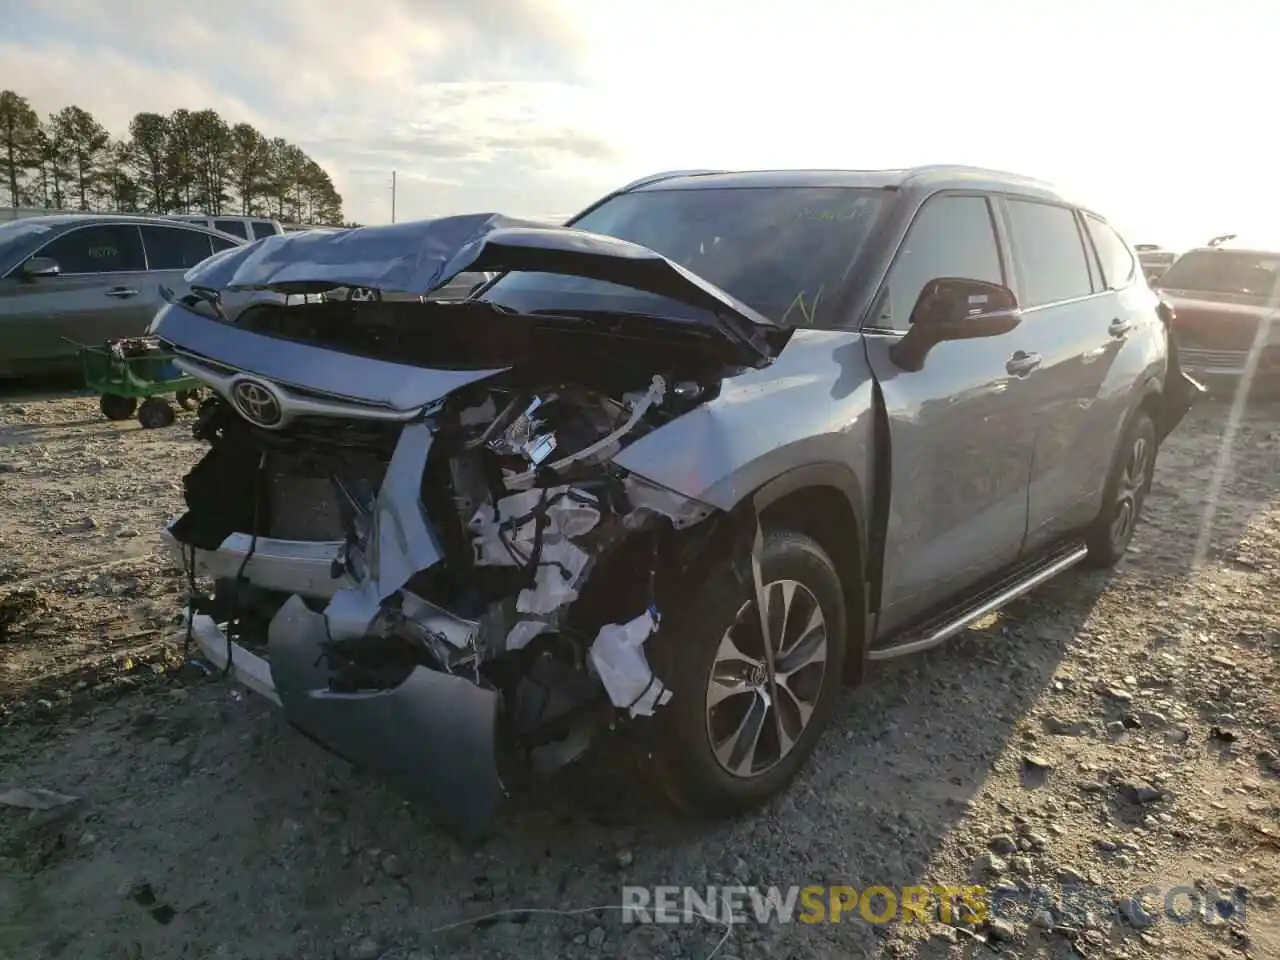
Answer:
[(1126, 492), (750, 700)]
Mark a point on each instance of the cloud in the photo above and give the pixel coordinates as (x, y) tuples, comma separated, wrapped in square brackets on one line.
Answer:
[(452, 94), (112, 85)]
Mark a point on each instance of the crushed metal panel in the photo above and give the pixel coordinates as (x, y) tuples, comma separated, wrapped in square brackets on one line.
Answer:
[(405, 257), (399, 542), (434, 732)]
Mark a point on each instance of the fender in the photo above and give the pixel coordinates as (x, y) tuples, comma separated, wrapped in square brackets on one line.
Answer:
[(834, 475)]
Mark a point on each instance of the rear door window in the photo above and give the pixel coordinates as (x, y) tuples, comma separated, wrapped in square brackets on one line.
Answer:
[(106, 248), (222, 243), (234, 227), (1117, 260), (1050, 252), (173, 248), (950, 237)]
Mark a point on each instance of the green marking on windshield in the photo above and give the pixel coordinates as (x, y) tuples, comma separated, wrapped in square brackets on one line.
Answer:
[(808, 312), (812, 213)]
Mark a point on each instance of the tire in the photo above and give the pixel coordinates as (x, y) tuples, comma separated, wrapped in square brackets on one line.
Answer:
[(1127, 488), (692, 641), (156, 412), (116, 407)]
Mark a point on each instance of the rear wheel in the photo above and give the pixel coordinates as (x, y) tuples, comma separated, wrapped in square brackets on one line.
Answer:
[(1126, 492), (155, 412), (749, 702), (116, 407)]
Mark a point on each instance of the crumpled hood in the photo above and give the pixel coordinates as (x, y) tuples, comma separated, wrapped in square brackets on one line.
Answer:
[(422, 256), (400, 257)]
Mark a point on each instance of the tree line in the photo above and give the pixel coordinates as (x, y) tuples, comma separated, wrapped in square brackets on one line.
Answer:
[(188, 161)]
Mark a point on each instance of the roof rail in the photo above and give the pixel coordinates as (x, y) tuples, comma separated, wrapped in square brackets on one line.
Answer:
[(643, 181), (666, 175)]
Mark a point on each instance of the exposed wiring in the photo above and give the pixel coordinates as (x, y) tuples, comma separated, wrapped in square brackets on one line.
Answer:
[(684, 913), (233, 623)]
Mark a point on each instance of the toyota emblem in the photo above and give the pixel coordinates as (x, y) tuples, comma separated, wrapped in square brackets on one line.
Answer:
[(257, 403)]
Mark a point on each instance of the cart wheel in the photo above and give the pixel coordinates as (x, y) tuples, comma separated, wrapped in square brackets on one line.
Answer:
[(116, 407), (188, 399), (155, 412)]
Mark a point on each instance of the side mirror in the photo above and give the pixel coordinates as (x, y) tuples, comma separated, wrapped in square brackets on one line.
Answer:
[(38, 267), (954, 308)]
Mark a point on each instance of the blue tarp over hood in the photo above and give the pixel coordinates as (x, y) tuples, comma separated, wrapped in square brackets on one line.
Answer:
[(422, 256)]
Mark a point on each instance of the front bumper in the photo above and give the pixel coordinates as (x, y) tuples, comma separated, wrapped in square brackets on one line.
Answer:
[(434, 732), (1222, 366), (286, 566)]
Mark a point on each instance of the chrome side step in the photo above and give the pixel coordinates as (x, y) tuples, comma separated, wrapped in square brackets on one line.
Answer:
[(932, 636)]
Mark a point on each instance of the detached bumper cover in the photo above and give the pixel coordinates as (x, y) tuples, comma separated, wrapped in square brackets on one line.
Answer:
[(287, 566), (435, 733)]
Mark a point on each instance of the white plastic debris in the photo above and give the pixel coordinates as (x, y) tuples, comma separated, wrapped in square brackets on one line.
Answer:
[(560, 566), (569, 513), (518, 636), (618, 657)]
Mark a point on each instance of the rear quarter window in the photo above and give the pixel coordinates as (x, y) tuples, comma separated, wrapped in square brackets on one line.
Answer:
[(174, 248), (264, 228), (1117, 261), (234, 227)]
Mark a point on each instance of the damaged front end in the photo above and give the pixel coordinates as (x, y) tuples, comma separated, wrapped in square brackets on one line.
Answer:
[(420, 545)]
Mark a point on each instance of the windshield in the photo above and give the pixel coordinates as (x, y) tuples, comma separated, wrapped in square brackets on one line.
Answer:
[(15, 234), (784, 251), (1230, 272)]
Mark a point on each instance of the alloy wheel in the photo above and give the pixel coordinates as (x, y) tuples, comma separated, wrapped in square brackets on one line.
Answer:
[(1131, 490), (763, 690)]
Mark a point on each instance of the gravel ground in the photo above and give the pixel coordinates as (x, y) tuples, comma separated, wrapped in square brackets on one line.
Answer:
[(1115, 730)]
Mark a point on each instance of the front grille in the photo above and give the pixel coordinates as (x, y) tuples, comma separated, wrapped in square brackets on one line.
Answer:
[(302, 508), (304, 459), (376, 437)]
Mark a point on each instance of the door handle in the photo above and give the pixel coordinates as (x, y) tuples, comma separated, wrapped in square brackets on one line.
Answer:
[(1118, 328), (122, 292), (1022, 363)]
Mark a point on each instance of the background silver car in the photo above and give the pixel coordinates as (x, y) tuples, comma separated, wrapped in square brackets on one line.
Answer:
[(87, 279)]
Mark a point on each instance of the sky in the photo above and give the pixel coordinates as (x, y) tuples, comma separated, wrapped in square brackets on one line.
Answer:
[(1156, 114)]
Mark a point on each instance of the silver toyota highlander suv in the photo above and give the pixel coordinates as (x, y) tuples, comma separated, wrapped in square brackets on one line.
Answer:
[(678, 471)]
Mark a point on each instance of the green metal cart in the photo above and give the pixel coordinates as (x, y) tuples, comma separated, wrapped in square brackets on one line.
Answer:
[(124, 372)]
